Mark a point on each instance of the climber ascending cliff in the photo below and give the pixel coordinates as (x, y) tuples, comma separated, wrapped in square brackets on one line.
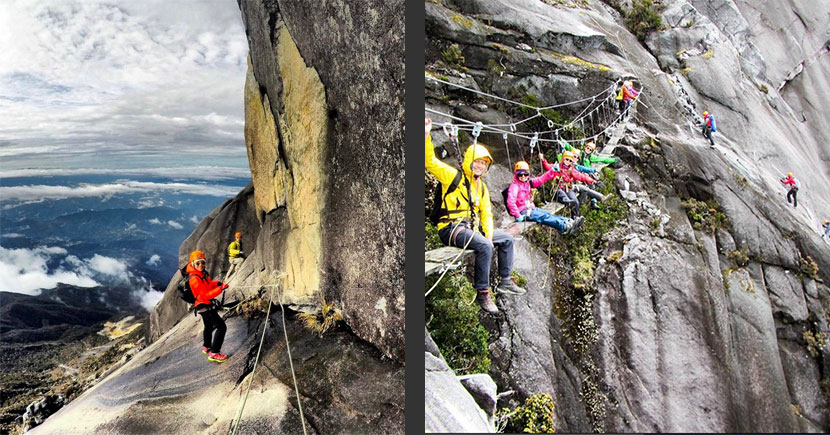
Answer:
[(204, 290), (709, 126), (457, 225), (520, 203), (625, 95), (826, 226), (792, 195)]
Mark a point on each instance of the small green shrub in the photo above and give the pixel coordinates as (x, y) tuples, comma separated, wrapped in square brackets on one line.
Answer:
[(705, 215), (614, 257), (739, 256), (643, 18), (740, 179), (764, 88), (453, 57), (808, 267), (453, 324), (534, 416), (655, 224), (815, 342), (520, 280)]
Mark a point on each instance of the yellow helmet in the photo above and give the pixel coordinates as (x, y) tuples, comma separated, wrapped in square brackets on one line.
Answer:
[(521, 166), (590, 145), (705, 113), (789, 175), (569, 155)]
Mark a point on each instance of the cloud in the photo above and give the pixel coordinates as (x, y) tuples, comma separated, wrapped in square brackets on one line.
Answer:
[(40, 192), (210, 173), (155, 221), (148, 298), (108, 266), (77, 75), (194, 219), (25, 271), (13, 235), (153, 261), (175, 225)]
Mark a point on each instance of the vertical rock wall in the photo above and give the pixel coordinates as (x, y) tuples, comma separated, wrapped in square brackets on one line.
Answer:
[(324, 130)]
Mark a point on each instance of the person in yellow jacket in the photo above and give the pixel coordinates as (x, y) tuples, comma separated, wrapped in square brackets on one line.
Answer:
[(455, 227), (235, 254)]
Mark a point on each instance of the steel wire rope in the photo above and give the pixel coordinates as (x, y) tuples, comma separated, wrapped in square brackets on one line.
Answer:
[(259, 352)]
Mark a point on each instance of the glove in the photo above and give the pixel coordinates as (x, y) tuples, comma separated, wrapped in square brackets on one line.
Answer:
[(520, 219)]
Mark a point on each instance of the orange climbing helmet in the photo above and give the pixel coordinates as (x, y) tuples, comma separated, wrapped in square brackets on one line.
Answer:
[(238, 234), (521, 166), (789, 175), (705, 113), (196, 255)]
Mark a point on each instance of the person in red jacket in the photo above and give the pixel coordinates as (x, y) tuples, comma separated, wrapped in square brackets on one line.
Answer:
[(569, 190), (204, 290), (792, 195)]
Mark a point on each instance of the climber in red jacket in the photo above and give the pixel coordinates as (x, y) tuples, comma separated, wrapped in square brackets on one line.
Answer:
[(204, 290), (792, 195)]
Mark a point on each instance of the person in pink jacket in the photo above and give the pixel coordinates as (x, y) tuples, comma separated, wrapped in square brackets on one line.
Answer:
[(520, 202), (570, 193)]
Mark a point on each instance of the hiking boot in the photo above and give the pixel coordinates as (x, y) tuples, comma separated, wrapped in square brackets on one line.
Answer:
[(217, 357), (205, 349), (573, 225), (486, 303), (508, 286)]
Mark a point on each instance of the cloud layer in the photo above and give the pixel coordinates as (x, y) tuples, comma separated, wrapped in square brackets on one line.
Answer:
[(33, 193), (28, 271), (86, 76)]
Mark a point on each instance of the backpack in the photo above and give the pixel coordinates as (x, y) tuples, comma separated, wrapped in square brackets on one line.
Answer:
[(183, 287), (504, 195), (438, 210), (712, 119)]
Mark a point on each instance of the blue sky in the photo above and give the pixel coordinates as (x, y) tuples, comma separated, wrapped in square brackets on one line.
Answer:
[(121, 84)]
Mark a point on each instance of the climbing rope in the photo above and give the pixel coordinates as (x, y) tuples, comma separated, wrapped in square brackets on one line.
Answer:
[(259, 352)]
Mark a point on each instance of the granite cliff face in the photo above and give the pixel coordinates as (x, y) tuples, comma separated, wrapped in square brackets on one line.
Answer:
[(323, 219), (682, 336)]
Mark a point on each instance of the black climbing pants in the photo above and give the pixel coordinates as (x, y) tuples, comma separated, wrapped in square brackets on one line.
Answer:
[(707, 131), (570, 200), (215, 328), (792, 196)]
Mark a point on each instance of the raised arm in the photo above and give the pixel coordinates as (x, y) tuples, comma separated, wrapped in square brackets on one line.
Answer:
[(442, 171)]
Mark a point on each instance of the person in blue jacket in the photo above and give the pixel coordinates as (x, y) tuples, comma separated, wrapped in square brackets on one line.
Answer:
[(709, 126)]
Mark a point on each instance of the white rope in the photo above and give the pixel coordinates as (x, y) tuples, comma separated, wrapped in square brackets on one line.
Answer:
[(258, 353), (516, 102)]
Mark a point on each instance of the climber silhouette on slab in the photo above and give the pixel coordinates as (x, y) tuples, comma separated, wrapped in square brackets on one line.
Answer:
[(826, 226), (457, 224), (235, 254), (709, 127), (520, 204), (205, 290), (792, 195)]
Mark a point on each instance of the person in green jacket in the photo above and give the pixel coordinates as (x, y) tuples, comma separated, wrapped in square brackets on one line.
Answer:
[(587, 157), (235, 254)]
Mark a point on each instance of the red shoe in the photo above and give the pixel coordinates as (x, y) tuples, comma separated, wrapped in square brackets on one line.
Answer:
[(217, 357), (205, 349)]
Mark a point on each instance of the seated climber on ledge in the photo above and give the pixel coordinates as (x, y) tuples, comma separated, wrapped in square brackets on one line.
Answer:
[(570, 193), (520, 201), (457, 225), (204, 290)]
